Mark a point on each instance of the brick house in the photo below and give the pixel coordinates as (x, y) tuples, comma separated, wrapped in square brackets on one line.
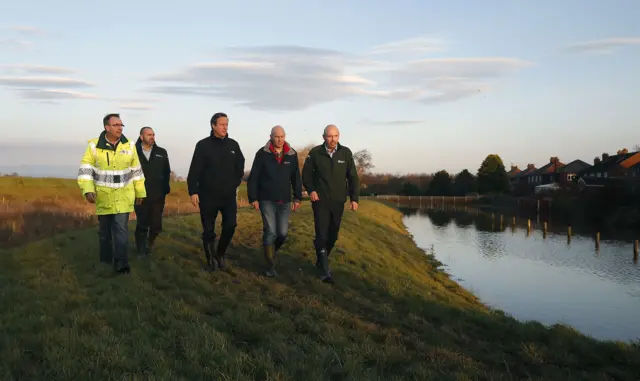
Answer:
[(621, 170), (546, 174), (567, 174)]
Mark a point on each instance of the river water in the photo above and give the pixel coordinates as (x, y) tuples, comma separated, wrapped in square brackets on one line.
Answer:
[(531, 275)]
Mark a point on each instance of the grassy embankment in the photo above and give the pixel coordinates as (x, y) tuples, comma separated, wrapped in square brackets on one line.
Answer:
[(33, 208), (391, 316)]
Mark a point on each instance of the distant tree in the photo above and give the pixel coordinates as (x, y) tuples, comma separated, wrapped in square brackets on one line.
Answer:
[(465, 182), (636, 148), (492, 176), (410, 189), (441, 184), (364, 162), (303, 153), (173, 176)]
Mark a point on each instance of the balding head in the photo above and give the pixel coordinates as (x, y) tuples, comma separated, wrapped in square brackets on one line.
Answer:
[(331, 136), (278, 137)]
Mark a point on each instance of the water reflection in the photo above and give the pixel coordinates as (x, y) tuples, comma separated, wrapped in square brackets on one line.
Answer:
[(537, 275)]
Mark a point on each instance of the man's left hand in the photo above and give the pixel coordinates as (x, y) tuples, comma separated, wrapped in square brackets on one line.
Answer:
[(139, 201), (295, 206), (353, 206)]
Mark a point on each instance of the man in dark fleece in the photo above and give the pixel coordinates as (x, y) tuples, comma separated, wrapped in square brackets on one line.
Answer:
[(157, 172), (274, 176), (329, 175), (215, 173)]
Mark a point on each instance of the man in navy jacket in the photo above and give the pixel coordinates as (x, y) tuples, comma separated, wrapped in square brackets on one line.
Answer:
[(274, 176)]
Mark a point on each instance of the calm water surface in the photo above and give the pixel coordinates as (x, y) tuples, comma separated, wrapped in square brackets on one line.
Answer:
[(532, 277)]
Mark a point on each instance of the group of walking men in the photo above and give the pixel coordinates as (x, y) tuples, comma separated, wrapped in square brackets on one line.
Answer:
[(121, 176)]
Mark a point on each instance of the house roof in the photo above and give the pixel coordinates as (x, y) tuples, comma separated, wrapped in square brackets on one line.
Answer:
[(549, 168), (625, 160), (574, 167), (514, 171), (524, 172)]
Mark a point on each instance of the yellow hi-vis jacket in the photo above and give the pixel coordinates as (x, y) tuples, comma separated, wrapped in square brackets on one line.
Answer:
[(113, 174)]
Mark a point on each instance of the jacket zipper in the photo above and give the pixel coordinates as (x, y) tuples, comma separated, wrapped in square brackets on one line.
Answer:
[(108, 164)]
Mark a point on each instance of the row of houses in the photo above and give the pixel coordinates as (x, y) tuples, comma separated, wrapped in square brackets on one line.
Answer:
[(619, 170)]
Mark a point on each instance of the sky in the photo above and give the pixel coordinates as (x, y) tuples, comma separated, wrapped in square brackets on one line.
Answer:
[(423, 85)]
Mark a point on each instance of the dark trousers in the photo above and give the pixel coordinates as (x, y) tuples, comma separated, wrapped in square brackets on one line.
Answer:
[(275, 222), (209, 212), (149, 218), (113, 236), (327, 217)]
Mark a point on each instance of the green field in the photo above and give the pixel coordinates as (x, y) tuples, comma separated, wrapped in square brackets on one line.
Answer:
[(392, 314)]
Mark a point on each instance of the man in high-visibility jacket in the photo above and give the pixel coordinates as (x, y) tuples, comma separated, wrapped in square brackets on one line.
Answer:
[(110, 176)]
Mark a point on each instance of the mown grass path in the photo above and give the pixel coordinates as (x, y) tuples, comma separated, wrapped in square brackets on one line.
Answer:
[(392, 315)]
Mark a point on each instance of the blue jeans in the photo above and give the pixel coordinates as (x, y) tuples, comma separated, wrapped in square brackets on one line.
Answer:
[(113, 236), (275, 222)]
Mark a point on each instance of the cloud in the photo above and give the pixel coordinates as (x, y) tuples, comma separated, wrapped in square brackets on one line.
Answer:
[(421, 44), (51, 94), (36, 69), (283, 78), (41, 82), (45, 88), (269, 78), (602, 46), (28, 30), (14, 43)]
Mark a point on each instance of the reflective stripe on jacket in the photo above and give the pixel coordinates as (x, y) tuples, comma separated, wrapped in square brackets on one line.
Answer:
[(113, 174)]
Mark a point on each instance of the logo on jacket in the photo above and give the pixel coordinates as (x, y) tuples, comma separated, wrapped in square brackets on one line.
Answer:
[(232, 151), (340, 161)]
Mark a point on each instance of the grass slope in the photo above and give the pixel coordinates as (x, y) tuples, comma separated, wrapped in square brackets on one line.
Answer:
[(391, 316)]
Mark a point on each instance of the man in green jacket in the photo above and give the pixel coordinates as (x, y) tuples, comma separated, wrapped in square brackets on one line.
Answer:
[(329, 175), (110, 176)]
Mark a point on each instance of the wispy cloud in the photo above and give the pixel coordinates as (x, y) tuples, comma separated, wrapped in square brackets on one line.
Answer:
[(48, 88), (41, 82), (275, 78), (602, 46), (14, 44), (296, 78), (421, 44), (35, 69), (27, 30), (51, 94)]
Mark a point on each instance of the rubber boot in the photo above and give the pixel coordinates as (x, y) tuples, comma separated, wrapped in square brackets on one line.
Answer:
[(150, 241), (141, 245), (208, 250), (269, 256), (323, 259), (319, 261)]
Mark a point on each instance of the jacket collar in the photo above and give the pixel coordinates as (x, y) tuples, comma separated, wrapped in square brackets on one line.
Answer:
[(288, 150), (104, 144), (213, 137), (326, 149), (141, 154)]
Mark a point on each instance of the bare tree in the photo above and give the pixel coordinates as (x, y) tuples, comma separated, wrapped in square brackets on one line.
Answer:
[(303, 153), (364, 161)]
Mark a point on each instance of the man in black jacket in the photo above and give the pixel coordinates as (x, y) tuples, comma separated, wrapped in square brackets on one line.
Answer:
[(329, 174), (216, 171), (274, 176), (157, 172)]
